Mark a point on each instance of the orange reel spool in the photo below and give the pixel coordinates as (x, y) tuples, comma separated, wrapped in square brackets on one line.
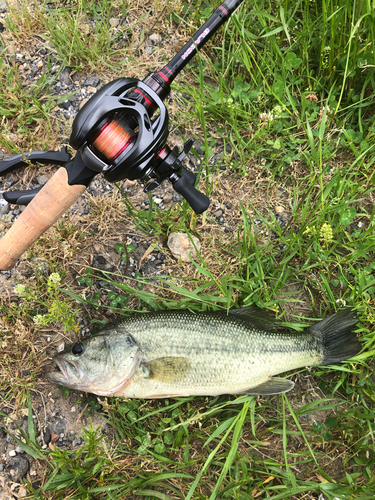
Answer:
[(112, 139)]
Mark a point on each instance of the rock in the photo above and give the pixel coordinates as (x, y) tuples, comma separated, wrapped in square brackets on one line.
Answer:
[(279, 210), (198, 148), (181, 247), (101, 262), (65, 77), (5, 209), (219, 212), (47, 435), (155, 38), (90, 89), (168, 197), (93, 81), (22, 492), (114, 22), (17, 468), (42, 179), (3, 7), (12, 453)]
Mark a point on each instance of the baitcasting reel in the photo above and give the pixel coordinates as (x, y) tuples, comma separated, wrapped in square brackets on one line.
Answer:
[(114, 134)]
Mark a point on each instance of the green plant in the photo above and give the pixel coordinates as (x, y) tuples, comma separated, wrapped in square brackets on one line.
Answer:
[(52, 307)]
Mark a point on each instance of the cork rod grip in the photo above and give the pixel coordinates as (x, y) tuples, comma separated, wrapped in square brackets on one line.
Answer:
[(48, 205)]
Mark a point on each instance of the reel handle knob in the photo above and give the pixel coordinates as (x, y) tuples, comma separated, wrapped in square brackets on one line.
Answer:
[(184, 185)]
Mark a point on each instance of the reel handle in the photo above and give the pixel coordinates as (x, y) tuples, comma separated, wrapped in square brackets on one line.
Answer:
[(48, 205), (184, 186)]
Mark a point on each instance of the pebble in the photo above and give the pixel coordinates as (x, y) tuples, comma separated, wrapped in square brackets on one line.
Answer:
[(155, 38), (18, 467), (42, 179), (181, 247), (12, 453), (61, 347), (93, 81), (114, 22), (65, 76), (22, 492), (168, 197)]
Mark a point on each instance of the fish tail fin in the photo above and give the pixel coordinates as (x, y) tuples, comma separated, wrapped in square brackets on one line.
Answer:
[(337, 336)]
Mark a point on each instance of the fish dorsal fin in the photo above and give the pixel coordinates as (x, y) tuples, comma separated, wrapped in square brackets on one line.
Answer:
[(169, 369), (275, 385), (260, 318)]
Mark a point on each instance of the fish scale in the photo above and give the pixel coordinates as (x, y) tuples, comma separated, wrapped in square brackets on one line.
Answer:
[(181, 353)]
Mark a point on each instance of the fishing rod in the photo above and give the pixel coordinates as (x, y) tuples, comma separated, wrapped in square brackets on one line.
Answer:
[(114, 134)]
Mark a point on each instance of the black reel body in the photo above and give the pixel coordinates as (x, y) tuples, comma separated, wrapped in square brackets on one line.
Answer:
[(115, 135), (141, 138)]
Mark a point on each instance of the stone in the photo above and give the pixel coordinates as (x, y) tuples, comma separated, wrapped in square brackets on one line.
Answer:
[(22, 492), (42, 179), (181, 246), (114, 22), (65, 77), (47, 435), (17, 468), (168, 197), (5, 209), (155, 38), (93, 81)]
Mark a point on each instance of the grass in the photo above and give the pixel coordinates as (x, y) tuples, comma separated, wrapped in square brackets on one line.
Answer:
[(289, 88)]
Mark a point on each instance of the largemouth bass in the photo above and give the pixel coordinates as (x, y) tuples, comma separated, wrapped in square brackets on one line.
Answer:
[(180, 353)]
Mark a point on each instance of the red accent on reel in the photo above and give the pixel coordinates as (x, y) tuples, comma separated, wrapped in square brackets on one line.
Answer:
[(112, 139), (137, 91)]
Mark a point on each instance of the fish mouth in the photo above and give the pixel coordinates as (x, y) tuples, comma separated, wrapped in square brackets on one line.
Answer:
[(62, 377)]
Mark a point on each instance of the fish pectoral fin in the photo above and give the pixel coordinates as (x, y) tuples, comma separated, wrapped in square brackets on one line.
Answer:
[(169, 369), (275, 385)]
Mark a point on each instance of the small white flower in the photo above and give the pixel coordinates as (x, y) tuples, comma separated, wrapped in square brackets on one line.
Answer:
[(38, 319), (341, 302), (55, 278), (360, 224), (266, 117), (20, 289)]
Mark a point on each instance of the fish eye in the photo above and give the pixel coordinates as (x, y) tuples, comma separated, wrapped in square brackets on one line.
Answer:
[(78, 349)]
